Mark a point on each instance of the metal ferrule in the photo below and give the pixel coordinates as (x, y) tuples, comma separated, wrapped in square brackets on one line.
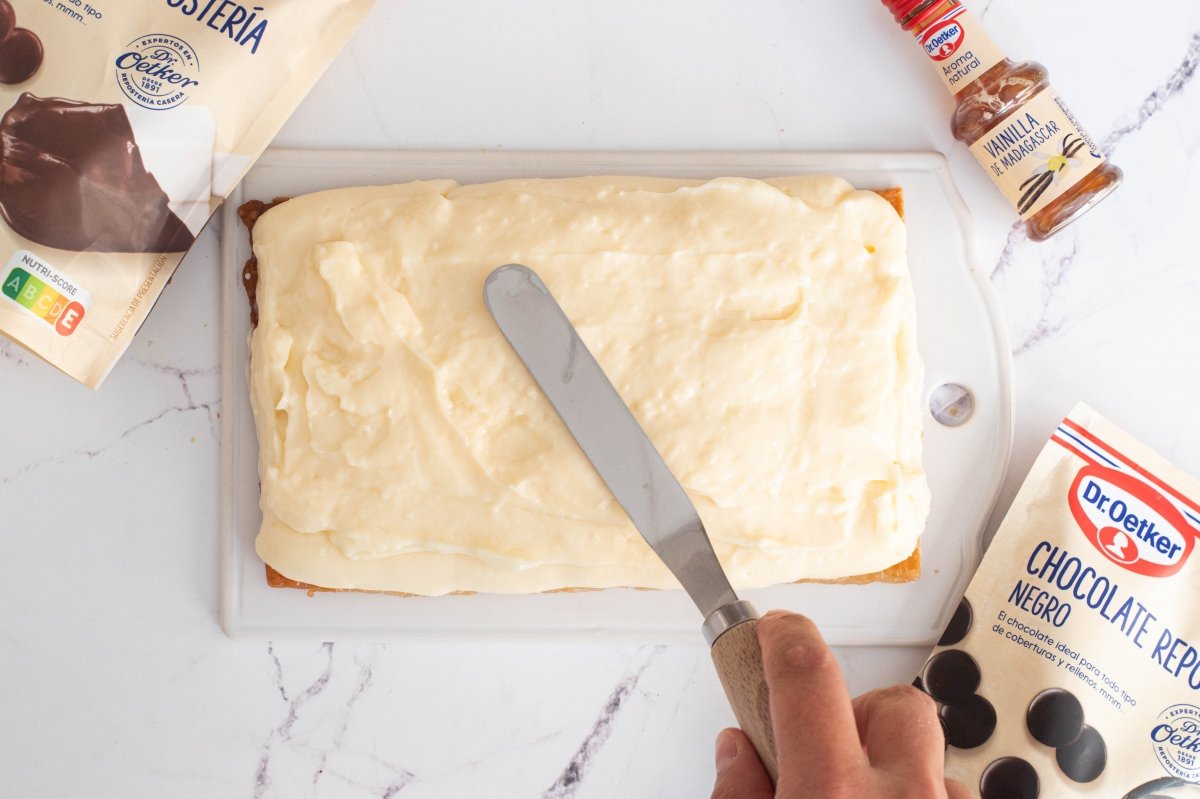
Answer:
[(726, 617)]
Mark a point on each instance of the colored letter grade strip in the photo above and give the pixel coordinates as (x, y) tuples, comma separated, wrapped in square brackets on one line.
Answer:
[(31, 293)]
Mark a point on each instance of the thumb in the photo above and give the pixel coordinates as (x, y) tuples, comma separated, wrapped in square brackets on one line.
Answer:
[(740, 774)]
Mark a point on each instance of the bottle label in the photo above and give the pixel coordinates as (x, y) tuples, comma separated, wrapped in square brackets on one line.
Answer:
[(1035, 155), (959, 48)]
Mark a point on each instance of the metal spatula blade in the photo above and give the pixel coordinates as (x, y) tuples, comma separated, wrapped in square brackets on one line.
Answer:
[(615, 444)]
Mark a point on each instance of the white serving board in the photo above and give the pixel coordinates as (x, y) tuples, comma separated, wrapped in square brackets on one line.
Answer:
[(961, 337)]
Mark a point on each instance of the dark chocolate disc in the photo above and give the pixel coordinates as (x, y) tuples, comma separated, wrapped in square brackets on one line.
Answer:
[(1009, 778), (1083, 759), (1055, 717), (960, 624), (20, 56), (8, 19), (951, 676), (969, 724)]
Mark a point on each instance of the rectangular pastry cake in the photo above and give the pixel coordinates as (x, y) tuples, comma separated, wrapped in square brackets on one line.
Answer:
[(762, 332)]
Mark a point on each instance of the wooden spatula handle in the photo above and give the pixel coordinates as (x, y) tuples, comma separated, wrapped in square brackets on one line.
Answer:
[(739, 663)]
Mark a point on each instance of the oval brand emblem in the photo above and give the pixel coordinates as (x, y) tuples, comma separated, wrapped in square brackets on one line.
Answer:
[(1129, 522), (943, 41), (1176, 741), (158, 71)]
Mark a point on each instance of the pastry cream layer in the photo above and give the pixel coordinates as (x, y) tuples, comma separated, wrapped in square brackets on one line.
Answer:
[(761, 332)]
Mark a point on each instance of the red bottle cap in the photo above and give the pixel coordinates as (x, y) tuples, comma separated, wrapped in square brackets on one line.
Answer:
[(909, 12)]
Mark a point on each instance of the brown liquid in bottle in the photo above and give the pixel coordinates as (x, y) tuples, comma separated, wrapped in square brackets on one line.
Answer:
[(989, 100)]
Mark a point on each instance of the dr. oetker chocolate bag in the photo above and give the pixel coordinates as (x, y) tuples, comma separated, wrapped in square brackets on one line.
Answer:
[(1072, 666), (123, 124)]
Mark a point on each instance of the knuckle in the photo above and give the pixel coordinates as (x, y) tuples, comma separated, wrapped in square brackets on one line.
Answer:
[(850, 786), (803, 657), (778, 625), (824, 785), (918, 700), (925, 786)]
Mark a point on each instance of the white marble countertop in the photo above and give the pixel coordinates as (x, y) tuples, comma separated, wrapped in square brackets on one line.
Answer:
[(117, 679)]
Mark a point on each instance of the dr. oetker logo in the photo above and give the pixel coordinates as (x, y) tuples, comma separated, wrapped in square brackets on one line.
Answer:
[(1176, 741), (943, 40), (157, 71), (1129, 522)]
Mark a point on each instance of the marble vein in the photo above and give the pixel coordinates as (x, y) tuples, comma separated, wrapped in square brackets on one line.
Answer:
[(568, 782), (1054, 273), (1016, 235), (366, 673), (210, 408), (91, 454), (282, 733), (184, 378), (682, 696), (278, 670), (1176, 82), (294, 747)]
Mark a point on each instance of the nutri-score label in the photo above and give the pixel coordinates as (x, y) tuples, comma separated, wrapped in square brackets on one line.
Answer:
[(37, 287)]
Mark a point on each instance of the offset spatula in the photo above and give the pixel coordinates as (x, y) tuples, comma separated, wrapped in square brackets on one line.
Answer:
[(614, 442)]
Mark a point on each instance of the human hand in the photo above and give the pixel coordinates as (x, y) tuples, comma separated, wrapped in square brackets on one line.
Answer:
[(886, 743)]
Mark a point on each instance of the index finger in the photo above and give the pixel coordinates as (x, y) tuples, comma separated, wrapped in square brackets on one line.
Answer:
[(815, 733)]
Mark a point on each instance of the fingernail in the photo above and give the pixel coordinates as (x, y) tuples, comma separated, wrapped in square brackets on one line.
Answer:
[(726, 750)]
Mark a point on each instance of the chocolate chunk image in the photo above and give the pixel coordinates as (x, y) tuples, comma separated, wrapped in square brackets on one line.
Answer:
[(951, 676), (1164, 788), (72, 177), (959, 626), (20, 56), (969, 724), (20, 49), (1009, 778), (8, 19), (1083, 760), (1055, 717)]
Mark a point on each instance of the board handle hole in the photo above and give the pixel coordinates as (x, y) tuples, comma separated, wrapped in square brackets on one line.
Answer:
[(951, 404)]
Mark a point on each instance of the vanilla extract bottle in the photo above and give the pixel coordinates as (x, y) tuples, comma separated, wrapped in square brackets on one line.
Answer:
[(1012, 119)]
